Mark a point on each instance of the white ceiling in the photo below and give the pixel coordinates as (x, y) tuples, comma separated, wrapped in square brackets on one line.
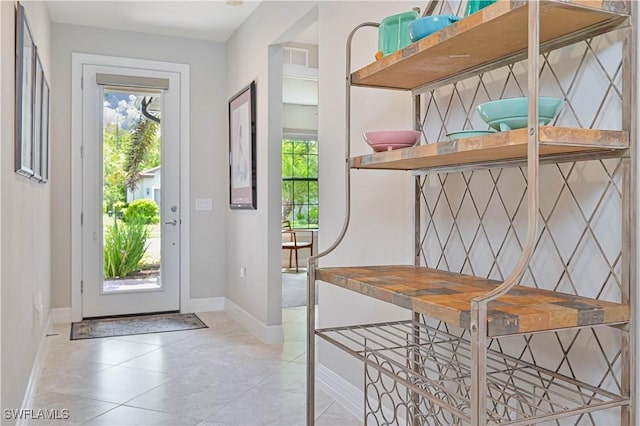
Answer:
[(213, 20)]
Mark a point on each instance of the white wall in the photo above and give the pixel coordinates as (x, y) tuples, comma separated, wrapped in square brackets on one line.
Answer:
[(253, 236), (381, 225), (208, 144), (25, 225)]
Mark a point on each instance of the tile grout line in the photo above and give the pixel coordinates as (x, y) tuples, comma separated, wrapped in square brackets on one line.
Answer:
[(271, 363)]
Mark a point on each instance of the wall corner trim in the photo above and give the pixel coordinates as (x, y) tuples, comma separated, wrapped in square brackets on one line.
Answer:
[(205, 304), (266, 333)]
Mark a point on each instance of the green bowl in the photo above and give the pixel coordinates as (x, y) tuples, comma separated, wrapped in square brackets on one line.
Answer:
[(460, 134), (507, 114)]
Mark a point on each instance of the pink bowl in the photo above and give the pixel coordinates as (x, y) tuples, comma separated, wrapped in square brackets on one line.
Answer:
[(386, 140)]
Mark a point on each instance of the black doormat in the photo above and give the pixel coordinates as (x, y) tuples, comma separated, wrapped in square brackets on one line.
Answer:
[(126, 326)]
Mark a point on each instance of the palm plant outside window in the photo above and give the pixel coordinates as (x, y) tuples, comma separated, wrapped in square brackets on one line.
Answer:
[(300, 182)]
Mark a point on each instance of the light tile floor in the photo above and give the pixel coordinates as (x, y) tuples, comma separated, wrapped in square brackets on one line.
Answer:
[(221, 375)]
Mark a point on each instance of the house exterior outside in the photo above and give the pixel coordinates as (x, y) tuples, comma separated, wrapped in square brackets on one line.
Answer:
[(147, 186)]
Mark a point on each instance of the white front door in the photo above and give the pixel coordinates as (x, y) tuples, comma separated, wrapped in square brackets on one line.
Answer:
[(130, 191)]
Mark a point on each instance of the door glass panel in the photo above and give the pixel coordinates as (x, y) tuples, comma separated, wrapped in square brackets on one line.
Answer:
[(132, 187)]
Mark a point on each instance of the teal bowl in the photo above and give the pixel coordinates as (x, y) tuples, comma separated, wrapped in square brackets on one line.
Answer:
[(427, 25), (507, 114)]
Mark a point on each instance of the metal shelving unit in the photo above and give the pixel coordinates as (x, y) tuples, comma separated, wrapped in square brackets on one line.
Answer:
[(432, 376)]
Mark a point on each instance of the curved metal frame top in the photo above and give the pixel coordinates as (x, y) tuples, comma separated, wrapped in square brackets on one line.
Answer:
[(533, 160)]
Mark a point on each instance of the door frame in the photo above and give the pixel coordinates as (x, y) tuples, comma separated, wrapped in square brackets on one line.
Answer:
[(77, 62)]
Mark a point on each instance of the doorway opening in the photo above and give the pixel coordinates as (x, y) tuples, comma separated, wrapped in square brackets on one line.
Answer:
[(299, 214), (103, 84), (300, 154)]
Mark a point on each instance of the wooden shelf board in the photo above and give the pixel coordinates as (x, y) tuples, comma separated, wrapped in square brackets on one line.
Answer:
[(447, 296), (500, 146), (490, 35)]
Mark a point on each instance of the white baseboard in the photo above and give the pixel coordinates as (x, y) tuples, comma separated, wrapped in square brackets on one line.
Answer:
[(208, 304), (61, 315), (347, 395), (266, 333), (38, 364), (350, 397)]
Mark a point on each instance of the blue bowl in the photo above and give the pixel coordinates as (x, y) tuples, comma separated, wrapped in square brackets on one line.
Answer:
[(507, 114), (427, 25)]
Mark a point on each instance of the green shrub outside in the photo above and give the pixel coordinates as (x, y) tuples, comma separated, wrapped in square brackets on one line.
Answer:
[(143, 210), (313, 215), (119, 206), (118, 209), (124, 246)]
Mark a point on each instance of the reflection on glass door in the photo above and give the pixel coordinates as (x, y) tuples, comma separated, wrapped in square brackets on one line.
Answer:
[(132, 166)]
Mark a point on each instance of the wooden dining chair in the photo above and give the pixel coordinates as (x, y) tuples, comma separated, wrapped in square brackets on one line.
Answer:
[(290, 241)]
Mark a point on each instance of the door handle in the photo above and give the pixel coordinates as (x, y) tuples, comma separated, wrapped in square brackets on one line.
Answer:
[(173, 222)]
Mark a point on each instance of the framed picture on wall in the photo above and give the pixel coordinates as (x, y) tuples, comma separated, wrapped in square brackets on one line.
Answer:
[(44, 132), (25, 84), (37, 122), (242, 149)]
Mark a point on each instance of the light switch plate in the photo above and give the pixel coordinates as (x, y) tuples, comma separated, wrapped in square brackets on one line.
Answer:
[(204, 204)]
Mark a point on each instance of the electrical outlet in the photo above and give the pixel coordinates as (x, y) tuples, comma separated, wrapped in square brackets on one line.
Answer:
[(38, 309), (37, 305), (243, 272)]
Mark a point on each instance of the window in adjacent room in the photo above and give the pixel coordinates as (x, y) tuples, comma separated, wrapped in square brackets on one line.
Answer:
[(300, 181)]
